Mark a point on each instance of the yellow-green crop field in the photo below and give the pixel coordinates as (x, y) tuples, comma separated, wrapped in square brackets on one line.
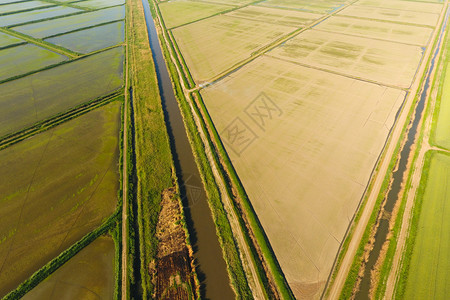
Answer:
[(304, 109), (181, 12), (56, 187), (213, 45), (429, 265), (318, 6), (276, 16), (61, 182), (383, 62), (393, 15), (324, 129), (402, 33), (88, 275)]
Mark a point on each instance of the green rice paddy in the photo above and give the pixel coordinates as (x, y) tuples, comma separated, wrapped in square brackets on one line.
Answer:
[(56, 187), (7, 40), (41, 95), (92, 39), (25, 58), (66, 24), (95, 4), (16, 7), (36, 15), (88, 275)]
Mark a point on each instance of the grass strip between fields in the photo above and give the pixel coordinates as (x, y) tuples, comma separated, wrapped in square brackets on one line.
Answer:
[(151, 156), (223, 227)]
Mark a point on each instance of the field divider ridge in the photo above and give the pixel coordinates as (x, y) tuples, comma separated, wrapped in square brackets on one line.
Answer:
[(41, 43)]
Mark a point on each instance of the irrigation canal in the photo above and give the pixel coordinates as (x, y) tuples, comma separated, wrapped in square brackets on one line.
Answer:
[(211, 267), (399, 176)]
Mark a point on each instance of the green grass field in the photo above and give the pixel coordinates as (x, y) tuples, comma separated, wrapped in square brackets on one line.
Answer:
[(427, 275), (55, 188), (66, 24), (92, 39), (88, 275), (39, 96), (442, 129), (26, 58)]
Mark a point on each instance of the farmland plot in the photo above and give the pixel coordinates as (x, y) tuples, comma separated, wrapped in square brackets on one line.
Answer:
[(96, 4), (427, 275), (25, 58), (403, 5), (305, 160), (92, 39), (36, 97), (394, 15), (318, 6), (176, 13), (276, 16), (16, 7), (56, 187), (89, 274), (379, 61), (66, 24), (36, 15), (409, 34), (7, 40), (213, 45)]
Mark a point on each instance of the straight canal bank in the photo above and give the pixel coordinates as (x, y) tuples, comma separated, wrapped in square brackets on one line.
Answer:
[(399, 175), (210, 264)]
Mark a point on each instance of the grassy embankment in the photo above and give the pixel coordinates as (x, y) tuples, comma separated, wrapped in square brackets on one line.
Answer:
[(395, 230), (222, 224), (223, 228), (151, 155)]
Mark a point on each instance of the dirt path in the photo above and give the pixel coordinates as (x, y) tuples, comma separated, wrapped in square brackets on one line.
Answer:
[(415, 182), (249, 266), (335, 289), (124, 167)]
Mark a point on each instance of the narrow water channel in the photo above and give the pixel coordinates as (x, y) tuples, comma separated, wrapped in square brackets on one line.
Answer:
[(211, 267), (398, 177)]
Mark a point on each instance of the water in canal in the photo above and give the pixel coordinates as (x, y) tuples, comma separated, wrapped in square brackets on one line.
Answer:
[(211, 267)]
